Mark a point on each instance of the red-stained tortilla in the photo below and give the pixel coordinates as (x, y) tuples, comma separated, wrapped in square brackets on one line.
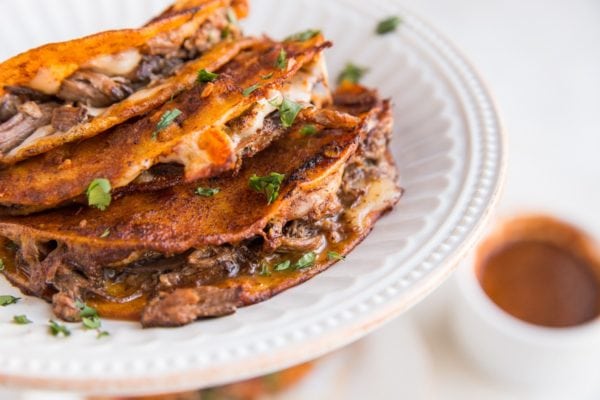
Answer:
[(199, 137)]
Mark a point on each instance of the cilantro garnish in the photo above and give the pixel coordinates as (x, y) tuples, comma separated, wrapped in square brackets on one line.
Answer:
[(7, 300), (388, 25), (167, 119), (207, 192), (269, 185), (306, 260), (98, 193), (352, 73)]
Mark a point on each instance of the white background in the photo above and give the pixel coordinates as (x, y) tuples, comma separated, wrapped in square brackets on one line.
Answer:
[(541, 60)]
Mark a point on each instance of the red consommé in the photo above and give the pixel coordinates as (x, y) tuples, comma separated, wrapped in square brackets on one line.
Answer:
[(543, 272)]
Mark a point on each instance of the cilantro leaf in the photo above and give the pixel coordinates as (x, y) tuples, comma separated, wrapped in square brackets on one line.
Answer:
[(264, 271), (267, 76), (282, 61), (352, 73), (92, 322), (308, 130), (7, 300), (226, 32), (306, 260), (102, 334), (335, 256), (207, 192), (105, 234), (90, 318), (303, 36), (206, 76), (288, 111), (283, 266), (1, 265), (166, 119), (21, 320), (98, 193), (388, 25), (269, 185), (232, 17), (248, 91), (85, 310), (56, 329)]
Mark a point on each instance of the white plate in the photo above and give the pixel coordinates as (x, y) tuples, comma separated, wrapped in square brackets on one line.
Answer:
[(449, 147)]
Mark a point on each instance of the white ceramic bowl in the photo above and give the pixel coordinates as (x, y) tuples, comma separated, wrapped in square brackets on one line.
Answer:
[(558, 363)]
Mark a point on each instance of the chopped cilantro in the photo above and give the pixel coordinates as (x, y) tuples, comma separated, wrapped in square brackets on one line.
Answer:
[(388, 25), (7, 300), (21, 320), (267, 76), (306, 260), (206, 76), (166, 119), (352, 73), (303, 36), (92, 322), (90, 318), (207, 192), (105, 234), (269, 185), (248, 91), (288, 111), (1, 265), (98, 193), (56, 329), (85, 310), (102, 334), (264, 270), (231, 16), (283, 266), (335, 256), (282, 61), (308, 130), (226, 32)]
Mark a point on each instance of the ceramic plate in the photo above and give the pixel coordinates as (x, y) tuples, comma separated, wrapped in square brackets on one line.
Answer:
[(449, 147)]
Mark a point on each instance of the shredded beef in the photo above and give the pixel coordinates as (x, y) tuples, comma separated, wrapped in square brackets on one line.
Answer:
[(153, 67), (29, 118), (94, 89), (9, 107), (28, 94), (66, 117), (300, 236), (64, 307), (184, 306)]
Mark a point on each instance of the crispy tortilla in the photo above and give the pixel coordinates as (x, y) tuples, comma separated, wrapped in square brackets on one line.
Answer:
[(144, 236), (45, 68), (53, 63), (199, 138)]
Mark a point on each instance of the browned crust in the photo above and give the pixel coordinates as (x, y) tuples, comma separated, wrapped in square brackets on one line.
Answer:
[(123, 153), (176, 219), (133, 106), (66, 57)]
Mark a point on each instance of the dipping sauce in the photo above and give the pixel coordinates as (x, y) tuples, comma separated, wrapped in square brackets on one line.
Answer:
[(542, 275)]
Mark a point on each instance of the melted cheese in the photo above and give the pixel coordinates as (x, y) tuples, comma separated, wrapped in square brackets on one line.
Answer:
[(116, 64), (380, 194), (299, 89)]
